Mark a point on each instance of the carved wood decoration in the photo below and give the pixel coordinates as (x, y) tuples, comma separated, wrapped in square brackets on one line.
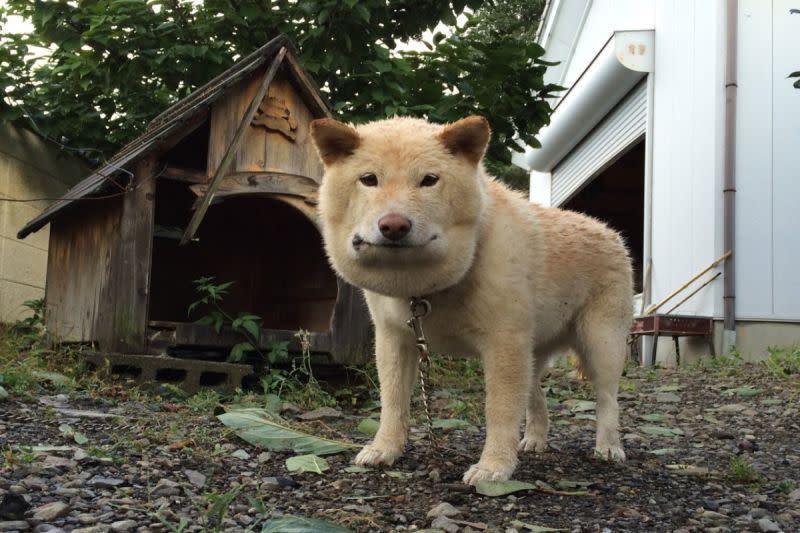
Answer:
[(274, 115)]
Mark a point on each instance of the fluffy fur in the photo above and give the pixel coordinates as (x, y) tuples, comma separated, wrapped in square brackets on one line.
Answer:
[(509, 281)]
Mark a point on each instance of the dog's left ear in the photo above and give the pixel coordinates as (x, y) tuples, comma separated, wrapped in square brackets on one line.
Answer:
[(333, 139), (467, 137)]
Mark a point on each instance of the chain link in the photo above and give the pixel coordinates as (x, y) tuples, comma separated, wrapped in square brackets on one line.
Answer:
[(420, 308)]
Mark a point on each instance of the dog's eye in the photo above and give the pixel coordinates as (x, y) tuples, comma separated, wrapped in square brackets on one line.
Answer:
[(369, 180), (429, 180)]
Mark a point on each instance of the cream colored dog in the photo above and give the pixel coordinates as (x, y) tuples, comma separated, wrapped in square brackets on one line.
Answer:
[(407, 210)]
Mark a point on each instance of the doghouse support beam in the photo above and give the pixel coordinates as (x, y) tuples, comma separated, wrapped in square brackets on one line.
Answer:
[(260, 183), (233, 148), (126, 297)]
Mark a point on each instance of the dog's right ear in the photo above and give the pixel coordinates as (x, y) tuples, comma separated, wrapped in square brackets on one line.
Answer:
[(333, 139)]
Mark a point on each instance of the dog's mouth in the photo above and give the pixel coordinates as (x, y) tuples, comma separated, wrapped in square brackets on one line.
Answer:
[(359, 243)]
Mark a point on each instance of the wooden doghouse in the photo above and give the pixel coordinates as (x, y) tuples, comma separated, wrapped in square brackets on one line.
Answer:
[(222, 184)]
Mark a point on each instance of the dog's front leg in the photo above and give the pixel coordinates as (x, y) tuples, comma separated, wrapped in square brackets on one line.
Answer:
[(396, 359), (507, 370)]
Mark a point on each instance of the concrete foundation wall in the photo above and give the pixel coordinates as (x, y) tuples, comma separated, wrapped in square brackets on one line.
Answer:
[(30, 167), (752, 341)]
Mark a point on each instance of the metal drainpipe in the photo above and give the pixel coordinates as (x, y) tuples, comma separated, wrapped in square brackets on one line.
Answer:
[(729, 187)]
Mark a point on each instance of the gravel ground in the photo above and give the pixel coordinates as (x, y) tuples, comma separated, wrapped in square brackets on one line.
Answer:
[(716, 449)]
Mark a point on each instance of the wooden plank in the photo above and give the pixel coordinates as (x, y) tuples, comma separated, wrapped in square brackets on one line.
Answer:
[(77, 269), (307, 87), (261, 183), (233, 148), (351, 327), (185, 175), (128, 292)]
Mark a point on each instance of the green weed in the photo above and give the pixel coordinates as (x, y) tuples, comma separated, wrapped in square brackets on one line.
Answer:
[(783, 361), (742, 471)]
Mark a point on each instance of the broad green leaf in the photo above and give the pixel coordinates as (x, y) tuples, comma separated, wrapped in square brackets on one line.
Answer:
[(241, 454), (60, 380), (450, 423), (368, 426), (301, 524), (661, 431), (653, 417), (533, 527), (501, 488), (254, 426), (399, 475), (79, 438), (772, 401), (238, 351), (307, 463), (273, 403), (742, 391)]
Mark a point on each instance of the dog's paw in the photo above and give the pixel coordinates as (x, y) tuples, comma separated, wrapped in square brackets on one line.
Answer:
[(481, 472), (532, 444), (610, 453), (372, 455)]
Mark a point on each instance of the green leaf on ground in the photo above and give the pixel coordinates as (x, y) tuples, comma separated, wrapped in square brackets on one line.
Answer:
[(59, 380), (254, 426), (583, 405), (567, 484), (307, 463), (301, 524), (450, 423), (273, 403), (241, 454), (399, 475), (501, 488), (742, 391), (772, 401), (368, 426), (661, 431), (3, 393), (653, 417)]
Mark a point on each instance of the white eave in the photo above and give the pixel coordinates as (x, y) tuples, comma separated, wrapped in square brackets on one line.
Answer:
[(621, 64)]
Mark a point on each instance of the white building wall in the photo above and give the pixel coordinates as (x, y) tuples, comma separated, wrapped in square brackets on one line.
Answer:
[(687, 147), (604, 18), (768, 162)]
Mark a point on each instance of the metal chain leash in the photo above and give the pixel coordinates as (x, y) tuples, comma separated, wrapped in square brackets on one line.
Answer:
[(420, 308)]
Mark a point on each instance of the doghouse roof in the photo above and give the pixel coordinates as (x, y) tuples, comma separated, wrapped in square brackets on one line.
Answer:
[(180, 115)]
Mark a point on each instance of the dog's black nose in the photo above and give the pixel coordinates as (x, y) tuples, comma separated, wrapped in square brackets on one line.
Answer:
[(394, 226)]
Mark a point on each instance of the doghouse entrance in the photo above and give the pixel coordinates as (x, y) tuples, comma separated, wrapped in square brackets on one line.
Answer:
[(270, 250)]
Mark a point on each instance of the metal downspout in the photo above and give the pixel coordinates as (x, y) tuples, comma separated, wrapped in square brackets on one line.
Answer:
[(647, 275), (729, 187)]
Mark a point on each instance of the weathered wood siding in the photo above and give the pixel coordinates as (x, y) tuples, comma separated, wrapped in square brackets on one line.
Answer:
[(78, 267), (262, 149)]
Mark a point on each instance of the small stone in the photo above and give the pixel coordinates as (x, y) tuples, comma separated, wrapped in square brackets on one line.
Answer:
[(758, 512), (50, 511), (289, 407), (195, 478), (87, 519), (264, 457), (166, 487), (123, 525), (766, 525), (13, 507), (442, 522), (47, 528), (732, 408), (794, 496), (15, 525), (92, 529), (443, 509), (103, 482), (80, 455), (434, 475), (367, 509), (712, 516), (667, 397), (241, 454)]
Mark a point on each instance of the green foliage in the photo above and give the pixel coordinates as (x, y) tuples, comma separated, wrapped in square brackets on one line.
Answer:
[(795, 74), (93, 73), (742, 471), (784, 361), (248, 325)]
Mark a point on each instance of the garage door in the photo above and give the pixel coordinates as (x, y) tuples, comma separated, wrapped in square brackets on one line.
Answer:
[(619, 130)]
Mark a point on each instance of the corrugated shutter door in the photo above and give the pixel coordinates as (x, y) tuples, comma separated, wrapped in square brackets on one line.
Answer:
[(623, 126)]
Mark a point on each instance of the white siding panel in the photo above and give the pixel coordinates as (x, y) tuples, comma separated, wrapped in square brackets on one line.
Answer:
[(754, 246), (687, 146), (623, 126), (786, 161)]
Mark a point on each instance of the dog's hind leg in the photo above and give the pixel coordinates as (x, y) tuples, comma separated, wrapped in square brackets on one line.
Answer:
[(396, 359), (601, 347), (537, 421)]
